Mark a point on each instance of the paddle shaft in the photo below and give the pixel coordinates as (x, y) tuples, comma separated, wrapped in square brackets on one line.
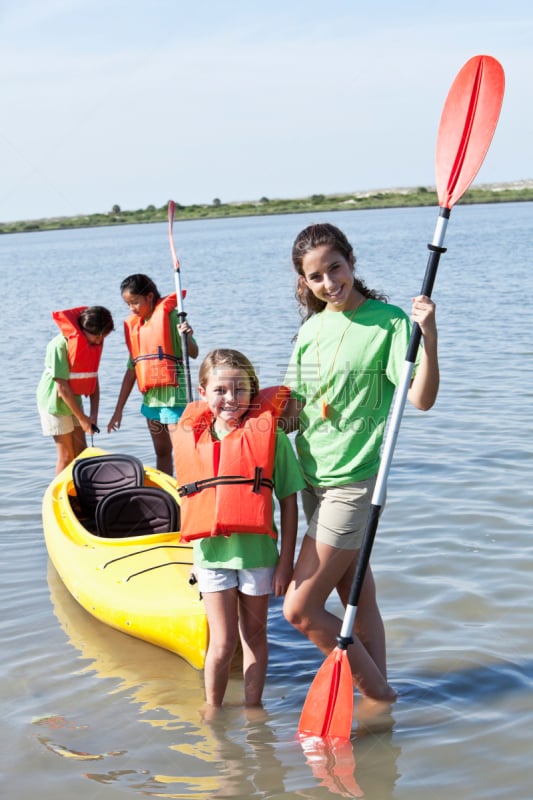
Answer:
[(182, 316), (466, 128), (378, 497)]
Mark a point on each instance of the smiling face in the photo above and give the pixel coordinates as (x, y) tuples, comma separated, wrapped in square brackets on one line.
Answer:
[(330, 277), (227, 392)]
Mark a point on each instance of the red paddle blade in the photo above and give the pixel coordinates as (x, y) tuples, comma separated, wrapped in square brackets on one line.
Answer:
[(467, 124), (328, 708)]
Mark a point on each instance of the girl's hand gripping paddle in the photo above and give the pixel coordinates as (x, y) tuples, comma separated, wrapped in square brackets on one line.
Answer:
[(466, 128), (179, 294)]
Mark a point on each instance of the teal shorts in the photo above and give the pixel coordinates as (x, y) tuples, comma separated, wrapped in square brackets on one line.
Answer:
[(166, 415)]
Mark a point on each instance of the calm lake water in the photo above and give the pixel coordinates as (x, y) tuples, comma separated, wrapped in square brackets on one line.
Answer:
[(91, 713)]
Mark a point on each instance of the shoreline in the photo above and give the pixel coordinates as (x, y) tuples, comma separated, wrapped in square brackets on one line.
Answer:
[(511, 192)]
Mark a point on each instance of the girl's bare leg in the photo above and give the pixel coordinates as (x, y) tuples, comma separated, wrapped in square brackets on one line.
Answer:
[(368, 626), (253, 613), (65, 450), (162, 445), (222, 617), (79, 440), (319, 570)]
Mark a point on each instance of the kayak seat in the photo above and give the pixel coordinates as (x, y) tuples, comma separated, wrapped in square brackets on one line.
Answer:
[(97, 476), (137, 511)]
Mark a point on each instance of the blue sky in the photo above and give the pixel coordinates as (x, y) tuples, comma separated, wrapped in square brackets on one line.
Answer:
[(135, 102)]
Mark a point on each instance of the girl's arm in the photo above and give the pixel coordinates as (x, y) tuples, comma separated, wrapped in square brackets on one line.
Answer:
[(288, 420), (425, 386), (288, 530), (67, 395), (128, 382), (192, 347), (95, 403)]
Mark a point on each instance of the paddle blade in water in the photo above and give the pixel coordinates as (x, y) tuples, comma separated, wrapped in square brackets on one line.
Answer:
[(467, 124), (328, 708)]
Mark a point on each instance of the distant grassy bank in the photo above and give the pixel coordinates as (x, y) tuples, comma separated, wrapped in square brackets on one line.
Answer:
[(386, 198)]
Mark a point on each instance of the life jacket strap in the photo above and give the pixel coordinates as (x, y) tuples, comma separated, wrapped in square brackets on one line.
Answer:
[(159, 356), (256, 483)]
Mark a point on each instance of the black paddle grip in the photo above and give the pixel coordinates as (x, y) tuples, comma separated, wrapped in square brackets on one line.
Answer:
[(364, 555), (435, 253)]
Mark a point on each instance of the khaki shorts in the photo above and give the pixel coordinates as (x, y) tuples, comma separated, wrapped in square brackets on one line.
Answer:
[(57, 424), (337, 515)]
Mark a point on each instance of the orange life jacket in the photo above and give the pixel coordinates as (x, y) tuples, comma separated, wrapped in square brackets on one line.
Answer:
[(226, 486), (83, 358), (150, 347)]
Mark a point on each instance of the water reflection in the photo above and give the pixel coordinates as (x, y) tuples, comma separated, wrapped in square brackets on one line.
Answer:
[(56, 722), (244, 754), (363, 767), (230, 752)]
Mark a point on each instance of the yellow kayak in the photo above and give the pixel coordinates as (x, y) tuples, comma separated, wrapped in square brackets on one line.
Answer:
[(125, 575)]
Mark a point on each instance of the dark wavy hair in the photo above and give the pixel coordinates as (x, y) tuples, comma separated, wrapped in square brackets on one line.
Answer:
[(309, 239), (96, 320), (140, 284)]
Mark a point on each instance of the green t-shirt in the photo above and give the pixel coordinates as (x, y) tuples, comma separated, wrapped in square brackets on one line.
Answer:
[(55, 366), (252, 550), (168, 396), (352, 363)]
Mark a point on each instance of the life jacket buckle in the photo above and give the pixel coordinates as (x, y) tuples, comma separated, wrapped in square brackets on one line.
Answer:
[(258, 479), (188, 488)]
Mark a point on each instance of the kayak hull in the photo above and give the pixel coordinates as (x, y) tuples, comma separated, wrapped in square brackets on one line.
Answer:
[(139, 584)]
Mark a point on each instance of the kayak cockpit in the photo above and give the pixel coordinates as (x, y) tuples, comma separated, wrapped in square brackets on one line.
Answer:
[(114, 496)]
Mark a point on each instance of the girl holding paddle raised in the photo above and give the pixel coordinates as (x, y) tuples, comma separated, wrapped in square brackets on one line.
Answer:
[(343, 372), (154, 334)]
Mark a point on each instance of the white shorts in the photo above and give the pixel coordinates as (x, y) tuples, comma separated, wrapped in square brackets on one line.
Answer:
[(57, 424), (254, 582)]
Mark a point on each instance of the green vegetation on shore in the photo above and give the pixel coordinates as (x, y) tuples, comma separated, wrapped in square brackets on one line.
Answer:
[(391, 198)]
